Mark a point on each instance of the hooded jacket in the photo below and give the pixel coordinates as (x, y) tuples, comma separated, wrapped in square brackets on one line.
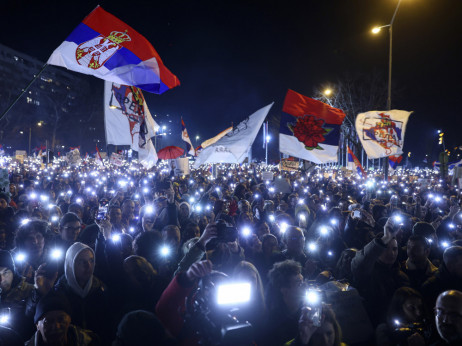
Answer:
[(90, 304), (69, 270)]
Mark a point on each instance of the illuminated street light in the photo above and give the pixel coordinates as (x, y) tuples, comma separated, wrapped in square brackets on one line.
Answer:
[(328, 92), (376, 30)]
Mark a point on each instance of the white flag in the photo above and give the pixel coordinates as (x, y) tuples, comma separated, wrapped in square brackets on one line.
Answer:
[(382, 132), (233, 147), (128, 120)]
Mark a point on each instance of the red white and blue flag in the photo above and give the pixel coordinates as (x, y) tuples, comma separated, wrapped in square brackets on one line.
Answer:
[(185, 137), (105, 47), (395, 160), (310, 129), (353, 160)]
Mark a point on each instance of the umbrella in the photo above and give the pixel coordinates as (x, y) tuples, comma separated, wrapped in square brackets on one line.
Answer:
[(170, 152)]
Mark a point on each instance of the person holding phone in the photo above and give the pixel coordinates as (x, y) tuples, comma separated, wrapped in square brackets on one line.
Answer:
[(376, 271)]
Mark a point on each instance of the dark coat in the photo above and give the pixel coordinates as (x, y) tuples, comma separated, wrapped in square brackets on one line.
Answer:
[(92, 312), (442, 281), (375, 281)]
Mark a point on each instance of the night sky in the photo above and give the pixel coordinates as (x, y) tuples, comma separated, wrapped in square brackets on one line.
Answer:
[(234, 57)]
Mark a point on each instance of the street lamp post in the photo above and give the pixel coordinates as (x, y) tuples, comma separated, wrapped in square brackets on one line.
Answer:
[(376, 30)]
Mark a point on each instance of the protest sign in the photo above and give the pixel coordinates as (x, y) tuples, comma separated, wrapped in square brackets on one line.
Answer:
[(73, 157), (181, 166), (116, 159), (288, 165), (267, 175)]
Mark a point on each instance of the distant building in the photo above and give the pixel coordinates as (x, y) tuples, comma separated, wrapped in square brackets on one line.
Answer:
[(58, 99)]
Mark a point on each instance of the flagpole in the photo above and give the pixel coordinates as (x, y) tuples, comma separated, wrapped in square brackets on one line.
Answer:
[(23, 91)]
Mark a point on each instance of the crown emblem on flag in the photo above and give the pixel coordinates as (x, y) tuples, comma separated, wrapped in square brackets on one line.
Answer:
[(119, 37)]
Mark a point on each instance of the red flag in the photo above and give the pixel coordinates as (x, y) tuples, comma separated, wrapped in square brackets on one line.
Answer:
[(352, 158), (299, 105)]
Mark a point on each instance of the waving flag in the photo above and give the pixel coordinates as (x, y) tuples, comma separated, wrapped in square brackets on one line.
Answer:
[(185, 137), (310, 130), (353, 160), (128, 121), (105, 47), (394, 160), (99, 159), (212, 140), (382, 132)]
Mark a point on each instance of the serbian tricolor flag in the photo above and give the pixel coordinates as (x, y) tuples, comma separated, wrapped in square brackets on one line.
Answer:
[(394, 160), (99, 159), (185, 137), (105, 47), (352, 159), (310, 129)]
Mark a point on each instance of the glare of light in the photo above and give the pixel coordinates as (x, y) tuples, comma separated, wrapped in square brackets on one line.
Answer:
[(198, 208), (451, 225), (56, 254), (284, 227), (430, 240), (397, 322), (313, 297), (54, 218), (327, 92), (272, 218), (43, 198), (165, 250), (437, 199), (324, 230), (191, 200), (116, 238), (268, 138), (444, 244), (257, 196), (333, 221), (246, 231), (4, 319), (312, 246), (302, 217), (330, 253), (398, 218), (33, 195), (132, 229), (301, 201), (24, 222), (236, 293), (149, 209), (79, 200), (271, 189), (20, 257)]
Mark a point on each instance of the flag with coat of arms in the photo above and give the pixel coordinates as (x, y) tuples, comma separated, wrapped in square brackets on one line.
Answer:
[(105, 47)]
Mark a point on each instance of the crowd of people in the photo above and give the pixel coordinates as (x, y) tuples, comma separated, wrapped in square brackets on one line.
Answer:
[(101, 255)]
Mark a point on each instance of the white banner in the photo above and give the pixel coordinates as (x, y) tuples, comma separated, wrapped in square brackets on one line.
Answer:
[(233, 147), (382, 132)]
